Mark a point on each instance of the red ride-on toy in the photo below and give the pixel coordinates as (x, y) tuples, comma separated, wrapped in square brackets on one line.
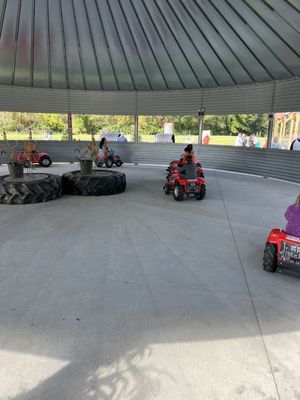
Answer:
[(38, 157), (282, 250), (108, 161), (182, 186)]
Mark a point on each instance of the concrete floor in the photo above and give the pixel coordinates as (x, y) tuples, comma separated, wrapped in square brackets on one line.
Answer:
[(138, 297)]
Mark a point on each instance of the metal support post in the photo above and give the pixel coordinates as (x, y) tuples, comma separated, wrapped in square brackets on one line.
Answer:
[(270, 130), (201, 113), (136, 128), (70, 127)]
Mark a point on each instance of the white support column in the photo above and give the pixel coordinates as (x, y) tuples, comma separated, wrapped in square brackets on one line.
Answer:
[(201, 113)]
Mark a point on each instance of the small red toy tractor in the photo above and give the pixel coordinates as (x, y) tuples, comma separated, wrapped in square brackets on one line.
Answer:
[(38, 157), (108, 161), (282, 250), (182, 186)]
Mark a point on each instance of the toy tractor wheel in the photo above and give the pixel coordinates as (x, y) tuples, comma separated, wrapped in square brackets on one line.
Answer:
[(109, 162), (45, 162), (166, 189), (269, 261), (119, 163), (178, 192), (202, 193)]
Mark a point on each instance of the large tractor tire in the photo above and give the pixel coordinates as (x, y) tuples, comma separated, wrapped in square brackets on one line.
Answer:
[(98, 183), (33, 188), (269, 260)]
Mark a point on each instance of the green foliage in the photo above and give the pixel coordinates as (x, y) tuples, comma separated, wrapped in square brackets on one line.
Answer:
[(148, 125), (13, 121), (186, 124), (83, 123), (236, 123), (52, 122)]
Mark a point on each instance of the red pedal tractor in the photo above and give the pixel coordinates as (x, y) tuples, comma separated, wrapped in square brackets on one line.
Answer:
[(282, 249), (37, 157), (108, 161), (184, 186)]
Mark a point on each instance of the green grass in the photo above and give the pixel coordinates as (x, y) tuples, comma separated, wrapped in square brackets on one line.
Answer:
[(223, 140)]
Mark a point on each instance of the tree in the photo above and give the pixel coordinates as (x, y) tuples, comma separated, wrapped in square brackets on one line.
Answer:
[(52, 122), (236, 123), (85, 124), (186, 124)]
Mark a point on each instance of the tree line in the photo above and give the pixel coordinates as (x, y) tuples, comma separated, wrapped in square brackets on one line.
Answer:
[(92, 124)]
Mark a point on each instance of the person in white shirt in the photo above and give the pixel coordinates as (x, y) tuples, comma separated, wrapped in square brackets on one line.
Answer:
[(239, 140), (276, 145), (104, 150)]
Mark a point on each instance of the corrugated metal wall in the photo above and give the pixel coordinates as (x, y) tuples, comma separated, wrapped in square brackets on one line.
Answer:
[(256, 98), (278, 164)]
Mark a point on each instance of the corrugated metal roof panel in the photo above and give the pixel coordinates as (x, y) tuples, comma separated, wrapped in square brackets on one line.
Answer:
[(147, 45)]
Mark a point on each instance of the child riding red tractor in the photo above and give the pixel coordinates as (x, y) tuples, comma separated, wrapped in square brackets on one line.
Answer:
[(185, 180)]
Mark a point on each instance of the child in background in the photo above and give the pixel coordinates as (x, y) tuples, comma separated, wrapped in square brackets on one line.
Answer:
[(104, 150)]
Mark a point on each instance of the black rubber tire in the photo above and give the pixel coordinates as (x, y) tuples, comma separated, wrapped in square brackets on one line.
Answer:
[(29, 192), (99, 183), (269, 260), (119, 163), (178, 192), (202, 194), (167, 189), (45, 161), (109, 162)]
